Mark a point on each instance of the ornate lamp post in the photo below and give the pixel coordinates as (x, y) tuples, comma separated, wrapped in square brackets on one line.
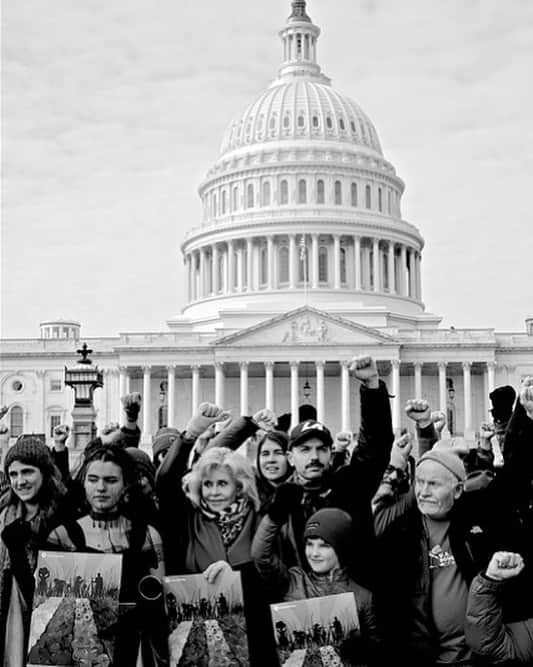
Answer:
[(84, 378)]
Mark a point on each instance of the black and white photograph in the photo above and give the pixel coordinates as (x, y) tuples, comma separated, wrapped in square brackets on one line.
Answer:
[(206, 621), (75, 609), (316, 631)]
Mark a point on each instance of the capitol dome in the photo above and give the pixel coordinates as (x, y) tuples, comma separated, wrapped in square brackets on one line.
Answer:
[(302, 205)]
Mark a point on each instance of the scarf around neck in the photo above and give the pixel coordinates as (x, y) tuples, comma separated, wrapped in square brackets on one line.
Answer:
[(230, 520)]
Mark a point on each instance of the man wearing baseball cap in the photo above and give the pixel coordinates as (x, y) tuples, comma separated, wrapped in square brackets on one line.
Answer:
[(315, 484)]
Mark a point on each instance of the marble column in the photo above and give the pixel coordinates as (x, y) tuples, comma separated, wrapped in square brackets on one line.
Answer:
[(467, 387), (292, 261), (269, 385), (270, 262), (230, 266), (202, 274), (314, 261), (219, 383), (392, 274), (345, 397), (214, 268), (443, 393), (195, 388), (147, 405), (336, 261), (319, 366), (417, 365), (491, 372), (376, 266), (294, 393), (240, 269), (403, 271), (190, 277), (244, 387), (357, 262), (171, 396), (249, 266), (412, 274), (396, 418), (122, 385)]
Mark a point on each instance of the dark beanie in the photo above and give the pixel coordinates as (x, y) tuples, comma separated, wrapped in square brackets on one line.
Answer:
[(30, 450), (284, 422), (142, 463), (163, 440), (334, 526)]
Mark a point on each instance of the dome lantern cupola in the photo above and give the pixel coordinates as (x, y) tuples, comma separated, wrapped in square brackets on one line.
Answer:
[(299, 38)]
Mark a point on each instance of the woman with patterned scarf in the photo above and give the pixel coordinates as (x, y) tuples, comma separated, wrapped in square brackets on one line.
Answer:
[(31, 509)]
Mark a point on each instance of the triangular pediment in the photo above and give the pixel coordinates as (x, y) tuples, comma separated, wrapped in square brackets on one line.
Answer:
[(306, 326)]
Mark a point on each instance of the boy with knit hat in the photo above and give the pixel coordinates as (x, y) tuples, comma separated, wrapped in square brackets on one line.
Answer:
[(329, 543)]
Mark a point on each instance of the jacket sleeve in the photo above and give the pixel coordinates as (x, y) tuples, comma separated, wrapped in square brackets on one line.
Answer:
[(372, 454), (518, 453), (271, 568), (426, 437), (387, 515), (235, 434), (485, 631), (130, 436), (61, 460), (168, 477)]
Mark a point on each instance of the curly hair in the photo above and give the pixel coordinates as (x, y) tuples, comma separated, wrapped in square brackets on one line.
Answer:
[(221, 458)]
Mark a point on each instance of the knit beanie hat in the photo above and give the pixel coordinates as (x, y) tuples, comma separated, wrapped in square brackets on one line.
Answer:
[(163, 440), (30, 450), (448, 458), (334, 526), (142, 463), (459, 446)]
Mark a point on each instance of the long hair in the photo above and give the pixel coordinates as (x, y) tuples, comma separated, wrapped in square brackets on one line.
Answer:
[(116, 455), (281, 439), (221, 458)]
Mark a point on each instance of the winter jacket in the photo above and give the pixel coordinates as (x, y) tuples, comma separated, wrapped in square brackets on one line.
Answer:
[(485, 630)]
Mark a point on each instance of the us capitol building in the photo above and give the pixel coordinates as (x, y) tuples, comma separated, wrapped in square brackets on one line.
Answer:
[(302, 259)]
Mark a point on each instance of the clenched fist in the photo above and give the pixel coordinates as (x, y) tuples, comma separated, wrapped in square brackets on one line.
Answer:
[(364, 368), (132, 405), (526, 395), (419, 411), (439, 420), (486, 431), (342, 441), (504, 565), (3, 410), (265, 419), (205, 415)]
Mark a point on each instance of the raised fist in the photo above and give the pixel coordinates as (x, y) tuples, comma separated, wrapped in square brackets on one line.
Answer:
[(61, 432), (205, 415), (439, 420), (111, 433), (505, 565), (132, 405), (364, 368), (265, 419), (342, 441), (419, 411), (486, 431), (3, 410), (405, 443), (526, 395)]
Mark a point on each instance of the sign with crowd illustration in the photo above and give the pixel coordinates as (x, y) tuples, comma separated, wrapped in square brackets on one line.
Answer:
[(75, 609), (206, 621), (316, 631)]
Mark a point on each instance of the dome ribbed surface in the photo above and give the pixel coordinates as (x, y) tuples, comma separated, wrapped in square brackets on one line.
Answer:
[(301, 109)]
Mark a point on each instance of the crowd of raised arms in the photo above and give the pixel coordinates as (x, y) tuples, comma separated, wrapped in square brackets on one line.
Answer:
[(433, 535)]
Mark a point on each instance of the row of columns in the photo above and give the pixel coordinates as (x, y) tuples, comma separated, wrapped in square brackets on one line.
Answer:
[(394, 382), (401, 268)]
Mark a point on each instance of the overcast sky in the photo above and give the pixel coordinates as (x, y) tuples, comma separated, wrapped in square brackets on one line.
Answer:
[(113, 111)]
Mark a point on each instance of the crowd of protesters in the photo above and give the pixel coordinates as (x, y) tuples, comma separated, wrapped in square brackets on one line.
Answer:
[(433, 536)]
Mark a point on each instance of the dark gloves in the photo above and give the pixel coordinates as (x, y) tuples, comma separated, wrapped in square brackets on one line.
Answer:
[(288, 497)]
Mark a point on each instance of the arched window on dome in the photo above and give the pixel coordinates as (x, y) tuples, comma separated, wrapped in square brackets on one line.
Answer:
[(209, 273), (315, 122), (343, 265), (338, 193), (263, 265), (266, 193), (352, 125), (302, 191), (323, 264), (283, 265), (341, 123), (301, 120), (389, 202), (214, 206), (368, 197), (306, 47), (353, 194), (223, 202), (16, 421), (249, 195), (329, 122), (235, 198), (283, 192), (272, 123), (380, 200), (286, 122), (320, 191)]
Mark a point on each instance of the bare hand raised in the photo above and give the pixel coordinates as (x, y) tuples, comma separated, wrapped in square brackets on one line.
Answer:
[(364, 368), (419, 411)]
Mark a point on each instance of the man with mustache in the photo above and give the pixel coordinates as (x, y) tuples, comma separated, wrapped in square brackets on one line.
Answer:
[(315, 484)]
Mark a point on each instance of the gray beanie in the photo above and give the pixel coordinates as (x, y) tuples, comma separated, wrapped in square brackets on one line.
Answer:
[(448, 459)]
